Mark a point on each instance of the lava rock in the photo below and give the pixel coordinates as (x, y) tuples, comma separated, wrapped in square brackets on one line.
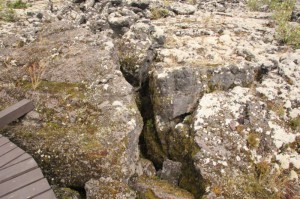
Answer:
[(108, 188), (182, 8), (171, 171)]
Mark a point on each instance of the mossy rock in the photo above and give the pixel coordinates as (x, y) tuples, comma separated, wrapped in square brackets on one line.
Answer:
[(153, 188)]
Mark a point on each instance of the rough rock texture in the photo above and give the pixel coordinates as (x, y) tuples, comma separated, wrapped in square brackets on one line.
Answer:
[(202, 89), (154, 188), (108, 188), (182, 9), (171, 171), (86, 123)]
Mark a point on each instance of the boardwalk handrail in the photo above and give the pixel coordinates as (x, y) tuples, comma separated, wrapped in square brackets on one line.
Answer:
[(15, 111)]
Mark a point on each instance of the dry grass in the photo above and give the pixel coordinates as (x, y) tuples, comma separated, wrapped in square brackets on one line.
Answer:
[(35, 71), (264, 183)]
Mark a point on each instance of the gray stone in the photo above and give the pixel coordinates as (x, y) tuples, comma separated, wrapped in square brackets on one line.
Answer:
[(81, 20), (142, 4), (90, 3), (249, 56), (108, 188), (116, 2), (147, 168), (182, 8), (81, 142), (121, 19), (222, 81), (161, 189), (171, 171), (77, 1)]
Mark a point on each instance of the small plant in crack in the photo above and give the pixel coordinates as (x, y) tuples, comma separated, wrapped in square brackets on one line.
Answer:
[(35, 71)]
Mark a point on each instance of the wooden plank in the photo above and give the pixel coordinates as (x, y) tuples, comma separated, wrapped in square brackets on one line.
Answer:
[(14, 112), (20, 182), (29, 191), (6, 148), (10, 156), (17, 169), (47, 195), (3, 140), (23, 157)]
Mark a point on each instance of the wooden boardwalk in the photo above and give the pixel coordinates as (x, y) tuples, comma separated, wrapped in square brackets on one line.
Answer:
[(20, 176)]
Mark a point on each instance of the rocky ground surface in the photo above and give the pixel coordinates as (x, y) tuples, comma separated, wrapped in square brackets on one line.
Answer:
[(154, 99)]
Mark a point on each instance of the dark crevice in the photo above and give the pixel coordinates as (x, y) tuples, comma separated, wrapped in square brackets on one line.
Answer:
[(179, 148), (81, 191), (149, 141)]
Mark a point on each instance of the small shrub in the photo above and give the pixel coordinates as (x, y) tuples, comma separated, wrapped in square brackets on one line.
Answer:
[(262, 168), (158, 13), (253, 5), (35, 72), (282, 12), (19, 4), (252, 140), (267, 184), (128, 57), (8, 14)]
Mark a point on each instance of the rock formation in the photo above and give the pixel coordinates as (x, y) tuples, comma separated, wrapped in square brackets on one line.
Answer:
[(155, 99)]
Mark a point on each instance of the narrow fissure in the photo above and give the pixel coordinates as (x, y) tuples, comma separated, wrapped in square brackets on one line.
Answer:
[(151, 147), (149, 141)]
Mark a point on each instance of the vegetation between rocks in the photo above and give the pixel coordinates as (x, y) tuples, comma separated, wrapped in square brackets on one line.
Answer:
[(282, 11), (19, 4), (7, 12), (158, 13), (265, 182)]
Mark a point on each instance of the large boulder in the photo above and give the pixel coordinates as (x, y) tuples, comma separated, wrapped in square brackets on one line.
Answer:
[(86, 123), (182, 8), (227, 111)]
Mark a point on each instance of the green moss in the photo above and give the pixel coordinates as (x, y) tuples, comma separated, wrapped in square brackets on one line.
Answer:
[(191, 180), (181, 144), (149, 194), (153, 148), (163, 186), (71, 89), (66, 193)]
